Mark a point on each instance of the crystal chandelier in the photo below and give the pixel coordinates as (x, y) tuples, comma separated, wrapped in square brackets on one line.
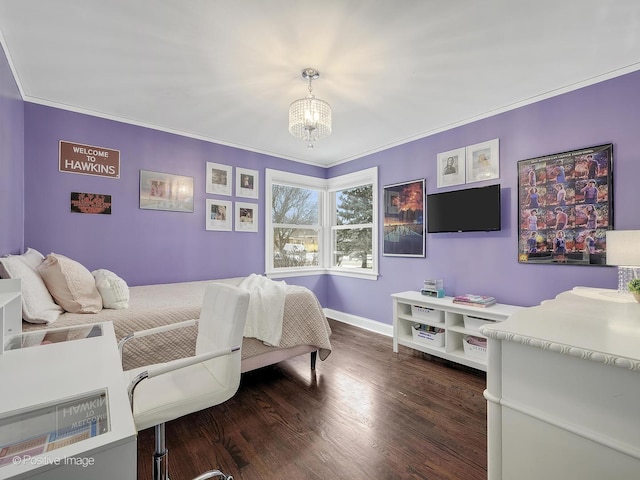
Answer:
[(309, 117)]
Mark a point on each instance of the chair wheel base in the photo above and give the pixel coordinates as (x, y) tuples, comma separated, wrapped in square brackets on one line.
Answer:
[(213, 474)]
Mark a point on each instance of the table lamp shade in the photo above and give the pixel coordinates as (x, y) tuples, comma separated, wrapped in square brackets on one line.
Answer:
[(623, 248)]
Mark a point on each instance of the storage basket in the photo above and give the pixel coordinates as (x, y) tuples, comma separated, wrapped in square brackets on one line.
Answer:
[(474, 323), (433, 336), (425, 313), (473, 350)]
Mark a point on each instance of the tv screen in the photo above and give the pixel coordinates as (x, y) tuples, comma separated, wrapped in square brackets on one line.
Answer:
[(468, 210)]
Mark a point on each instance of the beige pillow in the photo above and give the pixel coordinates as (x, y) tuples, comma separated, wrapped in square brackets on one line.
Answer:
[(70, 284), (37, 304)]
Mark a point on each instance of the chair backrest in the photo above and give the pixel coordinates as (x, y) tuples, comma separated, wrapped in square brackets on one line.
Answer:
[(221, 325)]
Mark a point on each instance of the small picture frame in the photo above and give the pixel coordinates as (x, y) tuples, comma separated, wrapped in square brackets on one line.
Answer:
[(246, 217), (451, 168), (218, 215), (246, 183), (164, 191), (483, 161), (219, 178)]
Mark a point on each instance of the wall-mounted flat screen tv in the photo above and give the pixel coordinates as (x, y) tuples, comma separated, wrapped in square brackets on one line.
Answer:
[(467, 210)]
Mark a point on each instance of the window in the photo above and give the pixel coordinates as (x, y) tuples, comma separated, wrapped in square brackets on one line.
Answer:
[(319, 225), (294, 227), (353, 223)]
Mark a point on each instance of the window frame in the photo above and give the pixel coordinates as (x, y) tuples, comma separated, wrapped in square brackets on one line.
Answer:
[(297, 181), (327, 221), (346, 182)]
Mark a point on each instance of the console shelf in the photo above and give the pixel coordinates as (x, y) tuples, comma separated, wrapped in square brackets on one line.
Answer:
[(410, 308)]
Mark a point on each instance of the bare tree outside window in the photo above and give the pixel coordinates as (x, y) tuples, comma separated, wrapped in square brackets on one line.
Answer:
[(295, 215)]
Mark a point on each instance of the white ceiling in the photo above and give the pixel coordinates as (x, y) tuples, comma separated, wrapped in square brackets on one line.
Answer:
[(393, 71)]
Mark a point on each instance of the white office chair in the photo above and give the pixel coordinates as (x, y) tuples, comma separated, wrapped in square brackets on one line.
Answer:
[(166, 391)]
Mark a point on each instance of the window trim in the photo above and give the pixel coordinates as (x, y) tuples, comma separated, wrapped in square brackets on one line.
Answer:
[(327, 207), (345, 182), (300, 181)]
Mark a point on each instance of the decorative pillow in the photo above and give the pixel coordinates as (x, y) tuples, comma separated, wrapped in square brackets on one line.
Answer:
[(113, 290), (37, 304), (70, 284), (33, 257)]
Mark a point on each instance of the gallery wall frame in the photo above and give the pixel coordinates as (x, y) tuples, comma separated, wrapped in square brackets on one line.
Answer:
[(565, 207), (247, 183), (166, 191), (219, 178), (483, 161), (246, 217), (404, 222), (218, 215), (451, 168)]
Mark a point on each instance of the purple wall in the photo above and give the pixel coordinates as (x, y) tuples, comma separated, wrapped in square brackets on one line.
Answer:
[(486, 263), (142, 246), (11, 162), (151, 246)]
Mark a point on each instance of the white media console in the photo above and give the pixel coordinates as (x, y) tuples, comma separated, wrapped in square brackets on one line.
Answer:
[(410, 308)]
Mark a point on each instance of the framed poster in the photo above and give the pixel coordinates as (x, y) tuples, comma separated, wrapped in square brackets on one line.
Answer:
[(246, 217), (246, 183), (218, 215), (483, 161), (404, 219), (451, 168), (91, 203), (565, 207), (164, 191), (219, 178)]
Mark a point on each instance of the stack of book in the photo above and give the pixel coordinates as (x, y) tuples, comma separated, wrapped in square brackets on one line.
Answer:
[(474, 300)]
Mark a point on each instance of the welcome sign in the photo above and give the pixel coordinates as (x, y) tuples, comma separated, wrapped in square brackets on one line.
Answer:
[(89, 160)]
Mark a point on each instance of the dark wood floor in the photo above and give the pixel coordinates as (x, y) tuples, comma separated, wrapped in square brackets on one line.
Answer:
[(366, 413)]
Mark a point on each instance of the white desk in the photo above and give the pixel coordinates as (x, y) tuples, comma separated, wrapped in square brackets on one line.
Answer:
[(46, 374), (563, 390)]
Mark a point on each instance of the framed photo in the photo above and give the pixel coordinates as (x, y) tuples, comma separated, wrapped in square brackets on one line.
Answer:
[(483, 161), (404, 219), (218, 215), (451, 168), (164, 191), (246, 183), (246, 217), (219, 178), (565, 207)]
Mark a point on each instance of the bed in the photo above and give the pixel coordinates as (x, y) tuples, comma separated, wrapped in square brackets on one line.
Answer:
[(304, 329)]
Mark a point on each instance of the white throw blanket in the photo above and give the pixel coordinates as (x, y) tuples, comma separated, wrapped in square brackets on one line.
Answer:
[(266, 308)]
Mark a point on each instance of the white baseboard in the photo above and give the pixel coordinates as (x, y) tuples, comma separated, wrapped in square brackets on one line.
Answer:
[(361, 322)]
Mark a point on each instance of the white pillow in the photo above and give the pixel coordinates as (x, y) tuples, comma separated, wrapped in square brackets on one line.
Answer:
[(70, 284), (37, 304), (113, 290)]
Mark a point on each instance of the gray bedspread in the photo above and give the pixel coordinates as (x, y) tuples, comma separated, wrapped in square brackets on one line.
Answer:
[(151, 306)]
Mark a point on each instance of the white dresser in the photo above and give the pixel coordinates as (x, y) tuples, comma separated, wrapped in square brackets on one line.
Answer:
[(563, 389)]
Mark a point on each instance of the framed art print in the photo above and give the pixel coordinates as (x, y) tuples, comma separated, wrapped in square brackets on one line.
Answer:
[(451, 168), (246, 183), (246, 217), (218, 178), (565, 207), (164, 191), (218, 215), (404, 225), (483, 161)]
